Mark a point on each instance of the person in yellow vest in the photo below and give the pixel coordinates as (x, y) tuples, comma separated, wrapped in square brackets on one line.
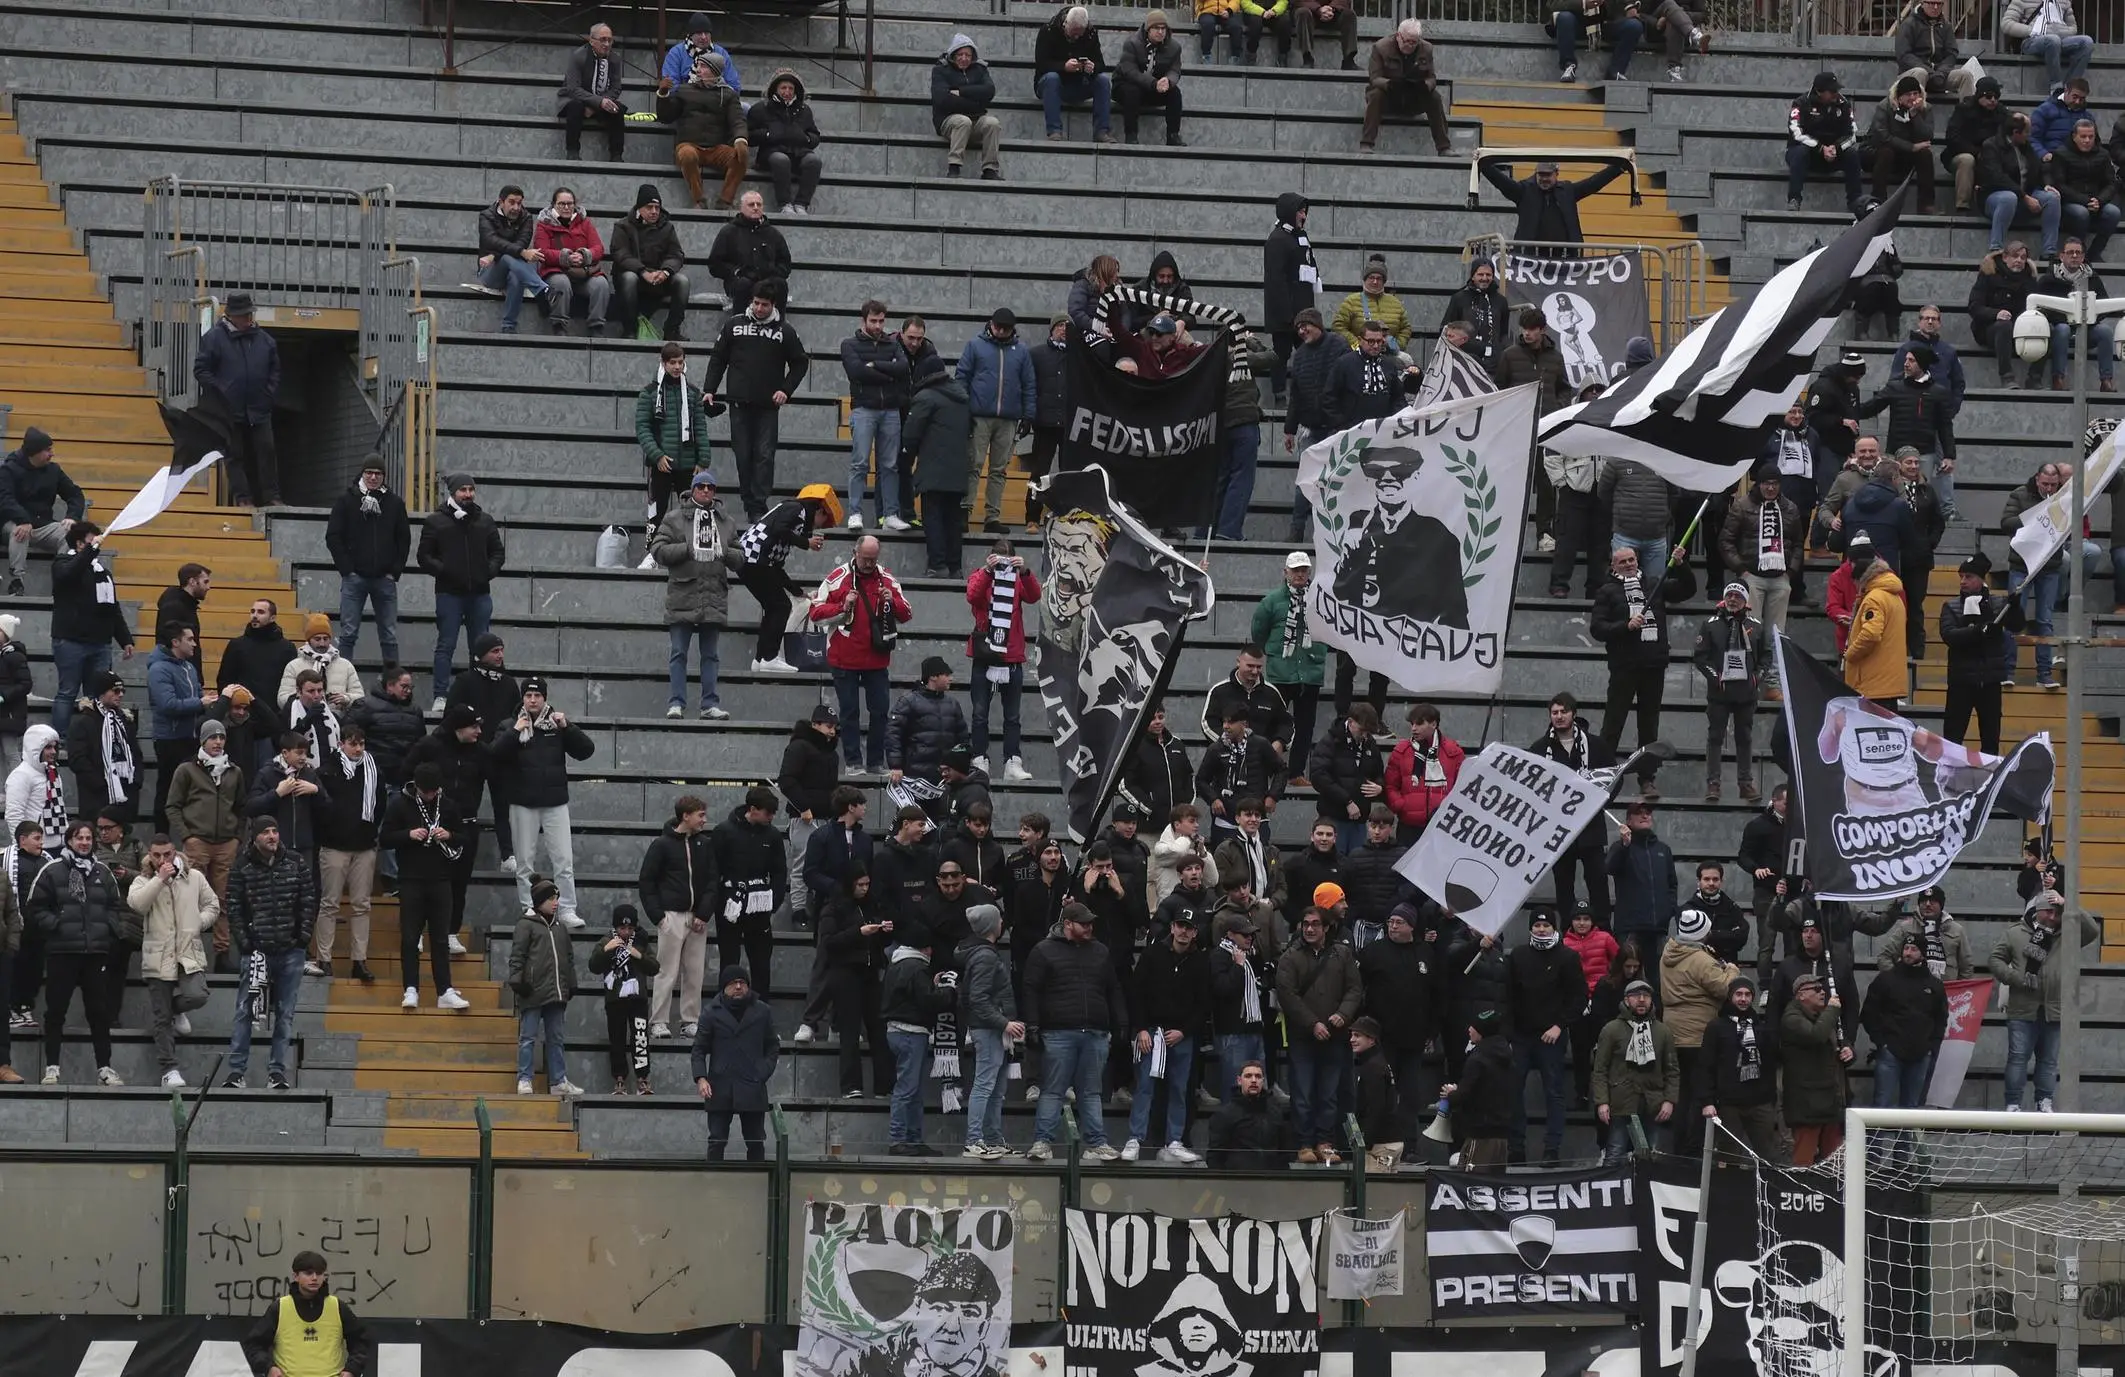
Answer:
[(308, 1332)]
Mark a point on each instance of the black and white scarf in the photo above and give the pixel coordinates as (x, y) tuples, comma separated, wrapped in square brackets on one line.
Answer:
[(1425, 768), (1574, 748), (600, 74), (1770, 538), (1309, 271), (431, 815), (1638, 604), (686, 412), (1003, 611), (1639, 1050), (1748, 1057), (944, 1048), (1296, 639), (372, 499), (51, 819), (365, 766), (216, 764), (620, 981), (120, 769), (317, 659), (541, 723), (1795, 459), (1375, 374), (1250, 990), (707, 541), (1257, 865), (319, 722)]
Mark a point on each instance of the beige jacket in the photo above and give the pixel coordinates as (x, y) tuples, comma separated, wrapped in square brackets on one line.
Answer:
[(173, 914)]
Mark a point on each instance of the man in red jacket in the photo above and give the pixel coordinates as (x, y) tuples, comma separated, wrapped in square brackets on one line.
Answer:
[(998, 592), (1842, 599), (867, 608), (1421, 771)]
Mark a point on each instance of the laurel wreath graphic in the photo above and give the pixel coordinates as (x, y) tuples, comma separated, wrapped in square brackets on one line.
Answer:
[(822, 1298), (1479, 499), (1349, 446)]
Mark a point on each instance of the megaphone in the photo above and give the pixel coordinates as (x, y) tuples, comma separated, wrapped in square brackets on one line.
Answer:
[(1440, 1129)]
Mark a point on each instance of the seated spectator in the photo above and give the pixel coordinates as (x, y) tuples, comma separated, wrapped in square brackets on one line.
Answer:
[(1679, 32), (29, 484), (786, 139), (1068, 66), (572, 262), (707, 130), (1374, 302), (680, 58), (508, 264), (2080, 172), (651, 265), (1273, 15), (1213, 17), (2010, 186), (1821, 137), (590, 89), (1877, 297), (2045, 29), (961, 91), (1621, 30), (2051, 123), (2071, 274), (1400, 79), (1308, 15), (1149, 73), (1976, 121), (748, 250), (1925, 48), (1899, 143)]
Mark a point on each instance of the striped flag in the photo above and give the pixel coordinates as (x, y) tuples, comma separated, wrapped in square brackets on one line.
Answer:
[(1450, 376), (1700, 414), (1966, 1017)]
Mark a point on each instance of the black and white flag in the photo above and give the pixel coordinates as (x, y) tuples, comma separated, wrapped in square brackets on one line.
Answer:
[(1884, 805), (894, 1289), (1699, 414), (1594, 305), (1536, 1243), (1149, 1296), (1118, 599), (1417, 521), (1451, 375)]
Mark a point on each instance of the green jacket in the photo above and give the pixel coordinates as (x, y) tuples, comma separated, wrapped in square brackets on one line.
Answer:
[(1628, 1089), (198, 807), (1288, 664), (542, 964), (658, 435), (1814, 1077), (2033, 984)]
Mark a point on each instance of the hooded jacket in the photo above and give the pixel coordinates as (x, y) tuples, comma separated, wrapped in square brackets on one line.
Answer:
[(1906, 1012), (1926, 42), (1878, 507), (986, 999), (777, 126), (640, 246), (368, 534), (810, 770), (461, 549), (697, 589), (1874, 652), (542, 963), (1485, 309), (28, 790), (173, 913), (748, 251), (465, 765), (2021, 961), (706, 115), (27, 492), (1897, 128), (953, 92), (1290, 277), (998, 377), (938, 429), (762, 357), (1141, 64)]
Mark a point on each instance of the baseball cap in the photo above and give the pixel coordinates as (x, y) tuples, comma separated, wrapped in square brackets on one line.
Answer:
[(1162, 324), (1298, 559), (1545, 166)]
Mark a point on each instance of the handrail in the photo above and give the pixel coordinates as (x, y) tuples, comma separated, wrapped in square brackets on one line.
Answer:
[(479, 1298)]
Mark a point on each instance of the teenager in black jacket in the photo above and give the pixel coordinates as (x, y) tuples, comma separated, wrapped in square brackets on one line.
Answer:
[(1401, 985), (1320, 863), (678, 887), (754, 878), (1907, 1016), (1547, 994), (461, 549), (854, 938), (1171, 1004), (1158, 776), (1737, 1071), (462, 763), (1480, 1102)]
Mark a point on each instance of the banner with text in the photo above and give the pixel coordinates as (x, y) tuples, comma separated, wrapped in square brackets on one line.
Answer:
[(1510, 816), (1150, 1296), (1539, 1243), (1156, 438), (1417, 521), (1363, 1256), (1594, 305), (2044, 526), (913, 1289)]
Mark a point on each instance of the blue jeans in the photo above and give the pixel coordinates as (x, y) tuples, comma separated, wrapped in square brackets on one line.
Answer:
[(979, 690), (1350, 835), (1943, 484), (1234, 1050), (473, 612), (1180, 1060), (1072, 1059), (1317, 1071), (869, 429), (911, 1062), (1802, 160), (2004, 207), (515, 279), (1056, 89), (76, 661), (1533, 1054), (2100, 337), (1241, 445), (874, 690), (1652, 554), (1234, 26), (553, 1019), (2064, 56), (284, 973), (2092, 227), (1624, 41), (683, 634), (2044, 589), (2026, 1036), (1900, 1084), (985, 1095), (379, 593)]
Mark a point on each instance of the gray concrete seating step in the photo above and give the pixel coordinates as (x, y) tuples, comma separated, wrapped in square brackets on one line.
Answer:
[(138, 1116)]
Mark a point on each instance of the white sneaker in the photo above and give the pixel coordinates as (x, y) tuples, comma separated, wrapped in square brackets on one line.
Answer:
[(1103, 1153), (508, 866), (2014, 1109), (412, 999), (855, 521), (800, 210), (1547, 545), (648, 562), (457, 948), (172, 1079), (981, 763), (106, 1076), (453, 1000), (778, 665), (439, 704), (1015, 770), (51, 1076), (660, 1030), (714, 715), (1032, 1094), (567, 1088), (979, 1151), (482, 288), (894, 523), (790, 209), (1039, 1152), (572, 921), (1131, 1150), (2043, 1107), (675, 710), (523, 1085), (311, 968), (804, 1032), (687, 1030), (1178, 1152), (182, 1025)]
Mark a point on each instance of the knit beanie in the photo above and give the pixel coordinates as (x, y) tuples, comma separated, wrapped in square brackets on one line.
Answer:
[(316, 624), (1693, 925), (729, 973), (647, 195), (985, 920)]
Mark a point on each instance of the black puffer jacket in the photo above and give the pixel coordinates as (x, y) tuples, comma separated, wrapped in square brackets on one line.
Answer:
[(505, 236), (1371, 883), (1339, 768), (256, 660), (638, 246), (1548, 988), (77, 913), (393, 729), (810, 770), (272, 903), (923, 726), (461, 555), (1721, 1067), (14, 689), (537, 769), (370, 544), (678, 875), (776, 127), (1610, 623), (465, 767), (1473, 975), (1158, 776), (1073, 985), (749, 859), (493, 697), (424, 860), (1399, 988)]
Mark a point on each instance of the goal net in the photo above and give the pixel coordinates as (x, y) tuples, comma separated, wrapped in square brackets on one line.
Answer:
[(1974, 1228)]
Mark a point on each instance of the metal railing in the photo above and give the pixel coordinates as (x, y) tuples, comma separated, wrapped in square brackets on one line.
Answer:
[(176, 310), (399, 334), (1675, 275)]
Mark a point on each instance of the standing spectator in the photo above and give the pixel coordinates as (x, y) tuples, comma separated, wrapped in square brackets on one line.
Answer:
[(812, 796), (1068, 66), (866, 607), (180, 603), (1997, 298), (1637, 502), (961, 91), (242, 363), (1548, 207), (621, 965), (1899, 143), (1238, 765), (1943, 946), (1877, 514), (320, 656), (762, 550), (1348, 776), (1630, 617), (1547, 994), (1813, 1054), (1643, 867), (1421, 771), (766, 361), (1636, 1074), (924, 727), (996, 369), (678, 883), (2045, 586), (86, 620), (1791, 453), (754, 880), (15, 689), (73, 906), (1049, 372), (369, 536), (1401, 983), (178, 699), (256, 659), (1922, 419), (1172, 1006), (29, 484), (734, 1057), (425, 827), (1535, 358), (1247, 853), (1948, 365), (1479, 1103), (347, 821), (1762, 854), (1570, 744), (1291, 280), (1764, 539), (491, 694), (590, 90), (989, 1019), (272, 903), (694, 543), (1366, 384), (999, 593), (1693, 990), (104, 753), (1822, 136), (205, 816), (1597, 950), (877, 369), (1582, 524), (1073, 995), (2009, 178), (1482, 308), (700, 38), (1874, 663), (1296, 663), (1337, 16), (542, 976), (1737, 1071), (1977, 119), (936, 437), (2046, 29), (1906, 1014), (1306, 417), (910, 1001), (671, 429), (1730, 927), (786, 136), (461, 549), (290, 792), (1159, 776), (2021, 962), (1925, 49), (1242, 979), (1319, 991), (1971, 625), (35, 791), (508, 265), (533, 756), (462, 764), (573, 263), (1149, 73), (651, 265), (1733, 650), (1929, 524), (312, 718), (749, 251), (175, 904), (21, 946)]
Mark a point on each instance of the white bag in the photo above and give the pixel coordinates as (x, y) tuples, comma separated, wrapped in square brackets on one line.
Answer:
[(612, 548)]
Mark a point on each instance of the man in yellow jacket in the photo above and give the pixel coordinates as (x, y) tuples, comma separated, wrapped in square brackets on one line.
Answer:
[(309, 1332), (1875, 666)]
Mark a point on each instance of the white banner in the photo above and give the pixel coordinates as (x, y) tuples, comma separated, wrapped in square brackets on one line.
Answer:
[(159, 494), (2044, 527), (1417, 522), (1510, 816), (904, 1289), (1362, 1258)]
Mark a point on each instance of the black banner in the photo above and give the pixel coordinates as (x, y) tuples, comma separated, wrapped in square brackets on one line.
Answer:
[(1595, 306), (1118, 599), (1535, 1243), (1156, 438), (1149, 1296)]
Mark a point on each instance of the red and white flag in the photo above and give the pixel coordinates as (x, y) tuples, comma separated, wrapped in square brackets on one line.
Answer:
[(1966, 1016)]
